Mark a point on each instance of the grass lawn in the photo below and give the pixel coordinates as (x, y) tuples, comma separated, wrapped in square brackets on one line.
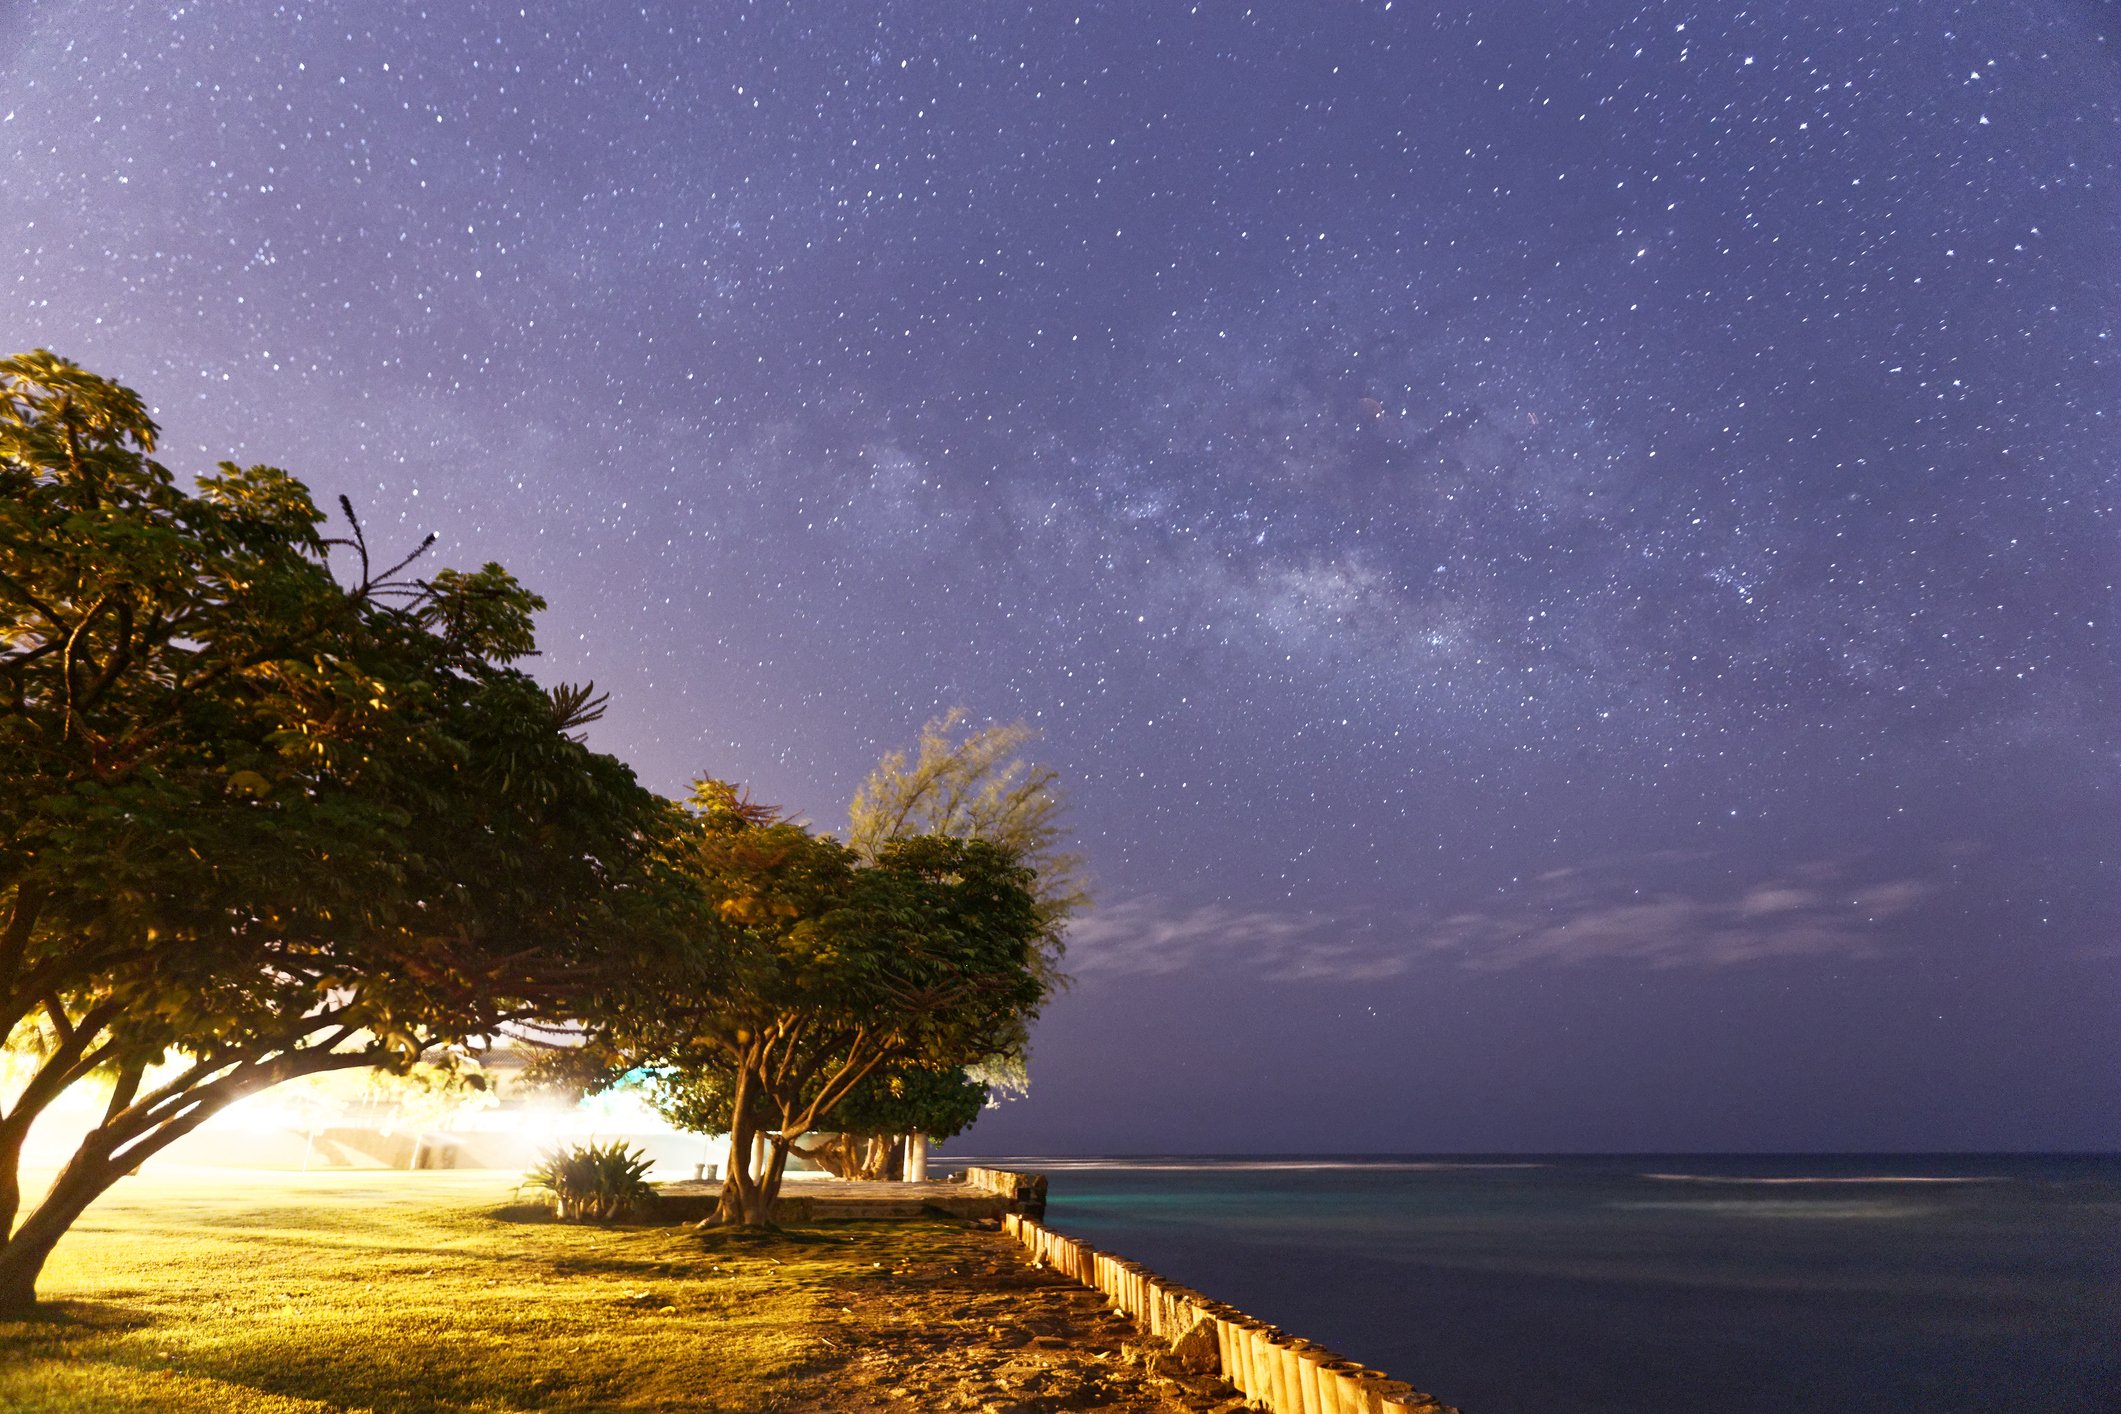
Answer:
[(229, 1291), (211, 1291)]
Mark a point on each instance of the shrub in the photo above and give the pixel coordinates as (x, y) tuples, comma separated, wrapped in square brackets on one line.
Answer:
[(593, 1182)]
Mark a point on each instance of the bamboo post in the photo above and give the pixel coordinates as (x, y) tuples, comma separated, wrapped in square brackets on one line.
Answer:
[(1273, 1380), (1303, 1375), (1237, 1368), (1226, 1353), (1229, 1348), (1308, 1358)]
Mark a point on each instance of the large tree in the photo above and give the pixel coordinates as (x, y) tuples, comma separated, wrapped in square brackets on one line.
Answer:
[(259, 820)]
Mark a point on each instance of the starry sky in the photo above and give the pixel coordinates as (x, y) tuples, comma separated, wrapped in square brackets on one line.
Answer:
[(1567, 552)]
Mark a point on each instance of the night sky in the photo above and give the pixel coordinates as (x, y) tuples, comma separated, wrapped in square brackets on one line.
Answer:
[(1567, 551)]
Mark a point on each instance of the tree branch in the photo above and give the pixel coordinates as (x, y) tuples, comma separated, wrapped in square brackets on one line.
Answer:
[(14, 943)]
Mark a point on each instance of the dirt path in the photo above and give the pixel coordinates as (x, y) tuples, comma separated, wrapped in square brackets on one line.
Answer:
[(958, 1320)]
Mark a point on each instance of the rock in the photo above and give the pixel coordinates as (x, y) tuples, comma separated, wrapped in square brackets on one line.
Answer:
[(1196, 1350)]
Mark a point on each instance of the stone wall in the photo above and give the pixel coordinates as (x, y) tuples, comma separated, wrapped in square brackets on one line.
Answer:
[(1024, 1192)]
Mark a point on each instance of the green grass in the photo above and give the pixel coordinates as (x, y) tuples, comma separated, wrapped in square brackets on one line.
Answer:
[(218, 1291)]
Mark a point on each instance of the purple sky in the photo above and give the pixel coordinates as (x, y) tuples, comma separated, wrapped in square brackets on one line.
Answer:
[(1568, 552)]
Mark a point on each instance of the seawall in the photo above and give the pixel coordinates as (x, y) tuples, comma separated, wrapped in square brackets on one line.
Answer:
[(1273, 1369)]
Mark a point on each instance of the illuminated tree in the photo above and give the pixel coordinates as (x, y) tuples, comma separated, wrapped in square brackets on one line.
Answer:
[(257, 822), (974, 784), (831, 968)]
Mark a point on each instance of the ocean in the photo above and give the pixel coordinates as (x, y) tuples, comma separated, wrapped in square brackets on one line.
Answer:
[(1651, 1284)]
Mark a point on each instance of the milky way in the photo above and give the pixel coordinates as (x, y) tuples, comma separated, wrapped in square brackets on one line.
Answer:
[(1569, 556)]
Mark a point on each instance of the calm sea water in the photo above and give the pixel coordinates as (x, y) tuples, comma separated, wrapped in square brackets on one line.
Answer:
[(1652, 1284)]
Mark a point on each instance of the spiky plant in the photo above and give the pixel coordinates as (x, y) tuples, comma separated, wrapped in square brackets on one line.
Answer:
[(593, 1182)]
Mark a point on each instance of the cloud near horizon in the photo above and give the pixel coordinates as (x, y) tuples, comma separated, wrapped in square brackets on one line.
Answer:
[(1567, 917), (1148, 936)]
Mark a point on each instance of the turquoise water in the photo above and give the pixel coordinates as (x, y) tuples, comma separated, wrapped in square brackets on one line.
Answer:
[(1654, 1284)]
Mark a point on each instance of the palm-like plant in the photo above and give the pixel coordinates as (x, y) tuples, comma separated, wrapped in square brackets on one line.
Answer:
[(593, 1182)]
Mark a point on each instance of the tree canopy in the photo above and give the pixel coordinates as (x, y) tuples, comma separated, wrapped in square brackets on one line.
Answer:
[(273, 805), (267, 806), (973, 783), (966, 782)]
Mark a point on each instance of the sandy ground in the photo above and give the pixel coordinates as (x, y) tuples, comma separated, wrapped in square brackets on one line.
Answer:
[(961, 1321)]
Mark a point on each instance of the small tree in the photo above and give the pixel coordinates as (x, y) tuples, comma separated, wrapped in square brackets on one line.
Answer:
[(832, 968)]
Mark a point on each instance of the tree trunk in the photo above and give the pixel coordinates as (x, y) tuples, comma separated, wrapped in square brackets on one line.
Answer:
[(837, 1154), (12, 1133), (739, 1188), (770, 1181), (84, 1179), (748, 1191), (134, 1129), (108, 1153)]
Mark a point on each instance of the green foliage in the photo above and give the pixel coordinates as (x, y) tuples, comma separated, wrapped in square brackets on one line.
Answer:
[(266, 803), (594, 1182), (973, 784), (964, 782), (829, 965), (699, 1100), (903, 1098), (889, 1103), (937, 1102), (857, 1133)]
